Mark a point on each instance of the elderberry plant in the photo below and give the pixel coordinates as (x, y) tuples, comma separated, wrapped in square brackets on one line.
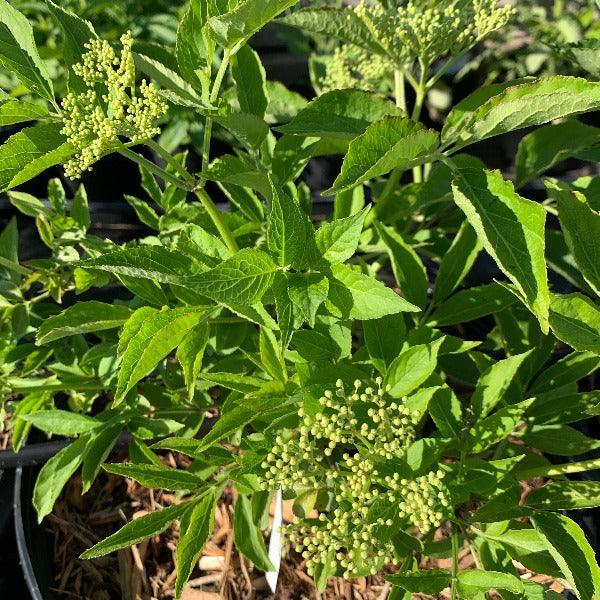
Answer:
[(468, 309)]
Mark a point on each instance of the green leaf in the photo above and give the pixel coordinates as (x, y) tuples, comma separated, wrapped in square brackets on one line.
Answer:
[(145, 213), (307, 291), (54, 475), (523, 104), (250, 81), (19, 54), (190, 354), (457, 262), (234, 28), (249, 129), (98, 449), (155, 476), (474, 581), (412, 368), (314, 346), (193, 47), (494, 383), (511, 229), (244, 412), (473, 303), (390, 143), (270, 354), (61, 422), (384, 338), (581, 226), (432, 581), (192, 541), (496, 427), (569, 548), (575, 320), (569, 408), (31, 151), (79, 208), (241, 279), (137, 530), (409, 271), (83, 317), (77, 33), (288, 229), (585, 52), (341, 23), (337, 240), (358, 296), (565, 495), (9, 252), (248, 537), (446, 412), (567, 370), (16, 111), (560, 440), (549, 145), (145, 262), (340, 114), (150, 340)]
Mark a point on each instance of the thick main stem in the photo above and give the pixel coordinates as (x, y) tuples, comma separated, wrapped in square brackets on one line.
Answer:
[(421, 92)]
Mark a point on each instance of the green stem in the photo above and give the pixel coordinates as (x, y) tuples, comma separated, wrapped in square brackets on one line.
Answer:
[(421, 92), (399, 91), (557, 470), (169, 159), (215, 215), (214, 93), (148, 164), (454, 561)]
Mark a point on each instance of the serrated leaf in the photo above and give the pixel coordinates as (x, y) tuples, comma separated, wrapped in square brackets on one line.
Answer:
[(390, 143), (567, 544), (83, 317), (137, 530), (288, 229), (340, 114), (61, 422), (98, 449), (581, 226), (341, 23), (307, 291), (190, 354), (145, 213), (511, 229), (431, 581), (241, 414), (17, 111), (473, 303), (158, 477), (549, 145), (357, 296), (337, 240), (411, 368), (54, 475), (145, 262), (233, 28), (248, 537), (241, 279), (200, 525), (19, 54), (150, 341), (575, 320), (251, 81), (31, 151), (474, 581), (496, 427), (514, 106), (494, 383), (565, 495), (194, 50), (409, 271), (457, 262)]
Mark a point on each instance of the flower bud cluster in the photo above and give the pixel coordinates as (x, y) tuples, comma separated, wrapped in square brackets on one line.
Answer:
[(338, 449), (110, 106), (424, 501)]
